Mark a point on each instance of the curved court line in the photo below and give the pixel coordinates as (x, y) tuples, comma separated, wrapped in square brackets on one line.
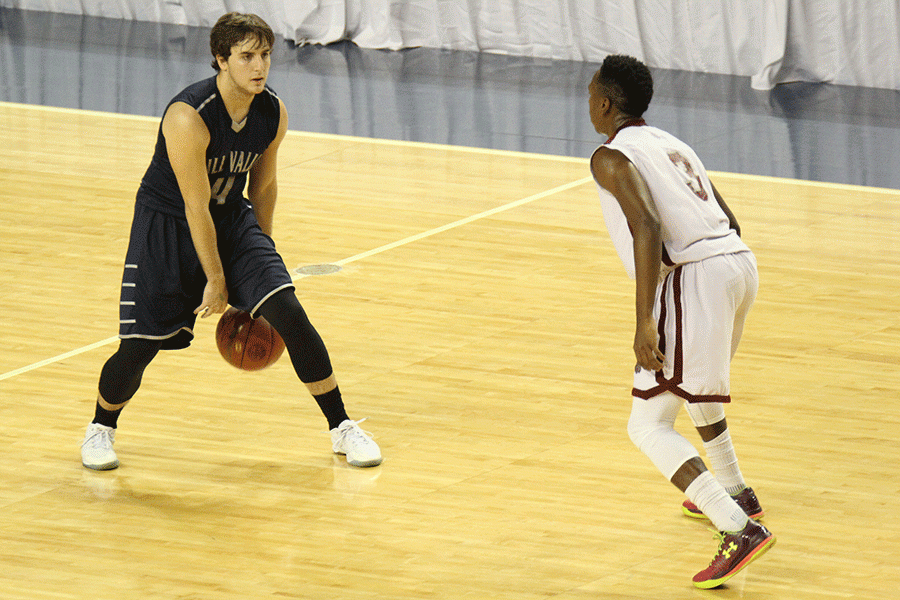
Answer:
[(357, 257)]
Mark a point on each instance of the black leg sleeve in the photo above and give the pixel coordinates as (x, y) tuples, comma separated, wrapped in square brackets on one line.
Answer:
[(122, 373), (306, 348)]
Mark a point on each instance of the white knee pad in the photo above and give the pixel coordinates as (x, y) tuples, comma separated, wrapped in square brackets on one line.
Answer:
[(705, 413), (651, 428)]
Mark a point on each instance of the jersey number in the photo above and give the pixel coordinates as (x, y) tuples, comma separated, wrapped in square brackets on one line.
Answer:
[(221, 187), (692, 179)]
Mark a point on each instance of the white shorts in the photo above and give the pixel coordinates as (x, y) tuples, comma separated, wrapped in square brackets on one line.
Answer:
[(700, 308)]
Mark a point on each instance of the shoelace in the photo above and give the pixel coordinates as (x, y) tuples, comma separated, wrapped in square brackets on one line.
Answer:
[(97, 440), (720, 535), (355, 435)]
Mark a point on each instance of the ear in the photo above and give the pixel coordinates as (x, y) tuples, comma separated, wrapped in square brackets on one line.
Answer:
[(223, 62), (605, 104)]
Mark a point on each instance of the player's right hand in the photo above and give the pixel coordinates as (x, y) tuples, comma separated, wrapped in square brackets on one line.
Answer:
[(646, 346), (215, 299)]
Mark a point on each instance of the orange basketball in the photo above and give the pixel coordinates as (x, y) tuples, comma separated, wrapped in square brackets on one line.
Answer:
[(247, 343)]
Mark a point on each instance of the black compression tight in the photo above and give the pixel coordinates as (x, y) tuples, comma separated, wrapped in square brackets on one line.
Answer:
[(306, 348), (122, 373)]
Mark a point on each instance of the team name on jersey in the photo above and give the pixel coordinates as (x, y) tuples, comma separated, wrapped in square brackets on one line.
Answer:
[(236, 161)]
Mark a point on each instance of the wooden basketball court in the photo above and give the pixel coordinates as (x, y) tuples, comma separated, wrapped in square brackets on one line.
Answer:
[(481, 320)]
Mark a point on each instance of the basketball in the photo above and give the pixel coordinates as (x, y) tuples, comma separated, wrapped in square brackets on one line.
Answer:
[(247, 343)]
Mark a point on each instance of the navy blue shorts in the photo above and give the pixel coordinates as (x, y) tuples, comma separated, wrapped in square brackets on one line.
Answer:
[(163, 281)]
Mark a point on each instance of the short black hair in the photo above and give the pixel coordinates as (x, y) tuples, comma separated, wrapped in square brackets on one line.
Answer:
[(628, 83), (233, 28)]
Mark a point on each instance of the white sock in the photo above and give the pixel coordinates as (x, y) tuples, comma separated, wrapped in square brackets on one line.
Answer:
[(724, 462), (710, 497)]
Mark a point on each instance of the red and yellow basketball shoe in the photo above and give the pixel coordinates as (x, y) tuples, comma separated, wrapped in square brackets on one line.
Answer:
[(736, 551), (746, 499)]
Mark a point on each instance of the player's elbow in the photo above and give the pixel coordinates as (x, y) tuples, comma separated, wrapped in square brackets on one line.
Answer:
[(261, 189), (649, 224), (195, 207)]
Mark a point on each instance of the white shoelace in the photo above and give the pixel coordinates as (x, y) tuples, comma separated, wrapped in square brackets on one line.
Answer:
[(99, 439), (356, 431)]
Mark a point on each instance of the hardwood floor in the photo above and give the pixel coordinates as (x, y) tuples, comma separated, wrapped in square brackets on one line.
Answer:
[(481, 321)]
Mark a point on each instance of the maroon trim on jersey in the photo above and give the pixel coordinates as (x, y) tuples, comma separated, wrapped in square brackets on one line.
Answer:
[(672, 384), (665, 258), (631, 123), (661, 326)]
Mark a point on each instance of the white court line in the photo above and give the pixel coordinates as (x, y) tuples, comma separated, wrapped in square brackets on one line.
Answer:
[(481, 215), (350, 139), (429, 145), (379, 250), (50, 361), (473, 150)]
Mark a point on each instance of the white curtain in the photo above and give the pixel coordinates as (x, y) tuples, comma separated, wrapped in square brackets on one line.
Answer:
[(774, 41), (838, 41)]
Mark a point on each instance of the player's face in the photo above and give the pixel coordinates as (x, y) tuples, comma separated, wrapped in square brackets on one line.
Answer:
[(248, 65)]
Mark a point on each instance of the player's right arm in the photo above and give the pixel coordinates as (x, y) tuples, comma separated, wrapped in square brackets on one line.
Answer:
[(186, 141), (620, 177), (732, 221)]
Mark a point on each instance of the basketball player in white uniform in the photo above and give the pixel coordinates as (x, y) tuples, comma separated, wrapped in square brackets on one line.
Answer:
[(695, 283)]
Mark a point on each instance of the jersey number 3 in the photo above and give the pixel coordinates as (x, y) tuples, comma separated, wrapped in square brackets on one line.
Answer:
[(692, 180)]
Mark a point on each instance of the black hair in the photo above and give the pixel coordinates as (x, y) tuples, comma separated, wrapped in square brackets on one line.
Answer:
[(233, 28), (627, 82)]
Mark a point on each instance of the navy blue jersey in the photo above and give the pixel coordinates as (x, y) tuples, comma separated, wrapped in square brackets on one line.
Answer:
[(233, 149)]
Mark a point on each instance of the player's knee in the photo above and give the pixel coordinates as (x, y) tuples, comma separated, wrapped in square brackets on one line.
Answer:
[(139, 353), (304, 344), (643, 432), (706, 413), (285, 313), (121, 375), (649, 425), (658, 440)]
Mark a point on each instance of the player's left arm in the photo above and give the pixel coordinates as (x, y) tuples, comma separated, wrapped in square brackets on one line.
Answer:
[(262, 190), (732, 220)]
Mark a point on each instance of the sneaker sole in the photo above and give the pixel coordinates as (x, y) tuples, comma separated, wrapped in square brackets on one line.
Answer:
[(702, 517), (361, 463), (759, 551), (694, 515), (366, 463), (104, 467)]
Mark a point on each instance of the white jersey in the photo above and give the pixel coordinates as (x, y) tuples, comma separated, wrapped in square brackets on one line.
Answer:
[(693, 225)]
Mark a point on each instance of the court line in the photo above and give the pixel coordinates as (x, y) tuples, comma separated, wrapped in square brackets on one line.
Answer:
[(337, 137), (55, 359), (466, 220), (848, 187), (345, 261)]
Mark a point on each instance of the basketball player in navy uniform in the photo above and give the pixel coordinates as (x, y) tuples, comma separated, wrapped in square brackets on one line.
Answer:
[(695, 283), (197, 245)]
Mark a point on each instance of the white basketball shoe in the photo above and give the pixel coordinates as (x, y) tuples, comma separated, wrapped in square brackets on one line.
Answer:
[(97, 448), (359, 447)]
